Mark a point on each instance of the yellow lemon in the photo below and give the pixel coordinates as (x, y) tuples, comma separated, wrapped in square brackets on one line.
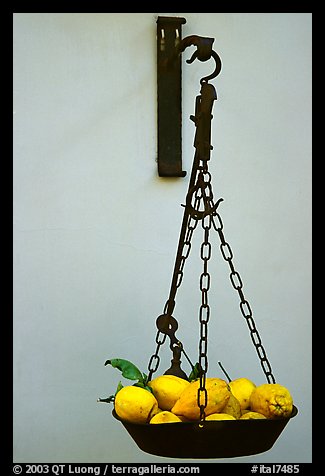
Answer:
[(233, 407), (242, 388), (135, 404), (220, 416), (182, 418), (272, 400), (165, 417), (252, 416), (167, 389), (218, 394)]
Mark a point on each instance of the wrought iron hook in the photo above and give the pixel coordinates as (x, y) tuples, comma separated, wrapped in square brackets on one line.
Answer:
[(203, 53), (217, 68)]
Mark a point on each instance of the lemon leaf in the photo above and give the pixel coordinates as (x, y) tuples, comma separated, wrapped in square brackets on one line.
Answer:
[(109, 399), (119, 387), (195, 373), (128, 369)]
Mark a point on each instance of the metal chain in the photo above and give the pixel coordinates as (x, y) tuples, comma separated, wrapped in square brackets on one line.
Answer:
[(204, 316), (155, 359), (244, 304), (186, 248)]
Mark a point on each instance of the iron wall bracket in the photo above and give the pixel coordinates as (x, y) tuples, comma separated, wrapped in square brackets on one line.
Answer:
[(169, 91)]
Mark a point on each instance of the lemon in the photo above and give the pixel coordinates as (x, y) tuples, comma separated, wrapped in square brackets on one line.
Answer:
[(242, 388), (218, 394), (220, 416), (135, 404), (167, 389), (272, 400), (252, 416), (232, 407), (165, 417)]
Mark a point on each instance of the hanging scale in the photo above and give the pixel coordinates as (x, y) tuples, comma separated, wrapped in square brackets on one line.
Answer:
[(203, 439)]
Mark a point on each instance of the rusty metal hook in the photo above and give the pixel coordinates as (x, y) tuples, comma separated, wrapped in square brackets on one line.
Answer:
[(217, 68), (203, 53)]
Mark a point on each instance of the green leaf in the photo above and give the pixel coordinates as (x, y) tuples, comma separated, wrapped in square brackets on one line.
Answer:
[(195, 373), (128, 369), (119, 387), (109, 399)]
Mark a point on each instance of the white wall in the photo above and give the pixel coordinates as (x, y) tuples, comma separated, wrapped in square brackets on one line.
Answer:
[(96, 230)]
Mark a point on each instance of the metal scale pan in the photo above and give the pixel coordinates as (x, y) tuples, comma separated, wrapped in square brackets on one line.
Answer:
[(215, 439)]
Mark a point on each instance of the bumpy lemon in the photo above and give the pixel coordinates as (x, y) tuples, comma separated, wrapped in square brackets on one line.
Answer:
[(233, 407), (252, 416), (167, 389), (272, 400), (220, 416), (135, 404), (242, 388), (218, 393), (165, 417)]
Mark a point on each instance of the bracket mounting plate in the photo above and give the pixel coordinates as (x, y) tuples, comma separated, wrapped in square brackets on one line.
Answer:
[(169, 92)]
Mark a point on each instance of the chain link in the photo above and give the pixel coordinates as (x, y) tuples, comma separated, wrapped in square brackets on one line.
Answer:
[(155, 359)]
